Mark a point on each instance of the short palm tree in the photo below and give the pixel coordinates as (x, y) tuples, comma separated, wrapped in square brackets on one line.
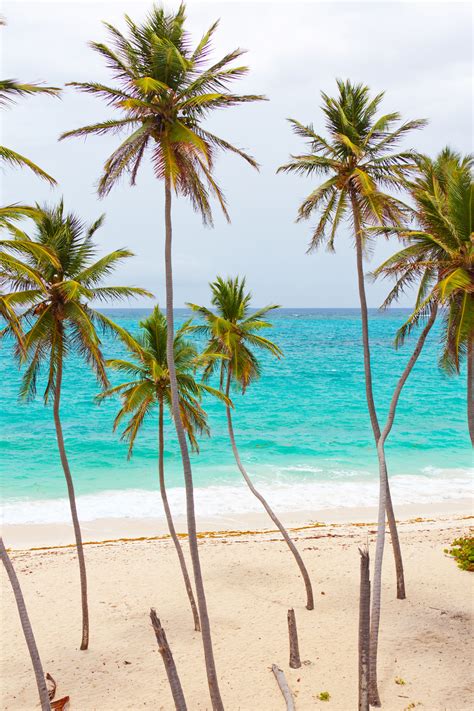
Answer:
[(147, 386), (359, 161), (233, 332), (27, 629), (439, 254), (54, 284), (164, 91)]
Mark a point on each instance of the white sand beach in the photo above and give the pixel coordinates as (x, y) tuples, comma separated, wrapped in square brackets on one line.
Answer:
[(251, 582)]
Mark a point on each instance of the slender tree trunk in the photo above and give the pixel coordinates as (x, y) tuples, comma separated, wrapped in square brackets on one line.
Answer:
[(397, 554), (470, 387), (266, 506), (376, 596), (72, 504), (216, 700), (27, 630), (169, 519), (364, 630)]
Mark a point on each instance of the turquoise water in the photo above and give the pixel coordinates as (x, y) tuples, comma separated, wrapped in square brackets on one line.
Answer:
[(304, 424)]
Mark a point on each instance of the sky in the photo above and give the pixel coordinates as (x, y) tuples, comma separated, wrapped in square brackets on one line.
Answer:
[(419, 53)]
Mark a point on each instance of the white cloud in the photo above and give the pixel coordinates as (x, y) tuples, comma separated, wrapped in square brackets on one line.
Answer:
[(419, 53)]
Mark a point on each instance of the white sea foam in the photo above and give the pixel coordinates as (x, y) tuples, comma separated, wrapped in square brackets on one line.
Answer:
[(228, 500)]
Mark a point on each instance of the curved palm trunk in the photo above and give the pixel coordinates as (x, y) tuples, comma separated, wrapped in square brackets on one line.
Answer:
[(27, 630), (169, 519), (216, 700), (72, 504), (397, 553), (470, 387), (274, 518), (377, 585)]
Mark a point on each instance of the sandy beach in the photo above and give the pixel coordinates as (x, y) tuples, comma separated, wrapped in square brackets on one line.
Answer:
[(251, 581)]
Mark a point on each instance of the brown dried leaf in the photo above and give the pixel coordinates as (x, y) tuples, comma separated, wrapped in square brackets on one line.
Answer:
[(50, 685)]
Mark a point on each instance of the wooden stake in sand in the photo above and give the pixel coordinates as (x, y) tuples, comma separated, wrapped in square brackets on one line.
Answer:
[(295, 661), (364, 630), (170, 666), (284, 688)]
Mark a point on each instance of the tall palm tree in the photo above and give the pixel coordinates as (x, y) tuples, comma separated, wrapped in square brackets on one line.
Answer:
[(56, 280), (164, 90), (27, 629), (359, 159), (147, 386), (233, 332), (439, 254)]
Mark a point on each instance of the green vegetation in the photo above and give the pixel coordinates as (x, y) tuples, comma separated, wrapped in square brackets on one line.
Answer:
[(324, 696), (400, 681), (462, 549)]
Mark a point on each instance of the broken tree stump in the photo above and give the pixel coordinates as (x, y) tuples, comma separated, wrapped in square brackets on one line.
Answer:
[(295, 661), (170, 666)]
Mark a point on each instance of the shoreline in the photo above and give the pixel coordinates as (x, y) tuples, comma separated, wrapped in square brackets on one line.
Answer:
[(27, 536)]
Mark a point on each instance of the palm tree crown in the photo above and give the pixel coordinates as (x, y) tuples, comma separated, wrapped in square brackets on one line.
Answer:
[(358, 161), (233, 331), (54, 281), (164, 90), (150, 383), (439, 252)]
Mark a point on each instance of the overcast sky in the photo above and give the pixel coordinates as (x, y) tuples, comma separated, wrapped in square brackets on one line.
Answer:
[(419, 53)]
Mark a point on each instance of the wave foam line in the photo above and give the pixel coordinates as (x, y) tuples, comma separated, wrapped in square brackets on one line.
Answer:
[(228, 500)]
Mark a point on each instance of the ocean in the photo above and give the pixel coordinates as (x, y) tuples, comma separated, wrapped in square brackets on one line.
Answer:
[(303, 431)]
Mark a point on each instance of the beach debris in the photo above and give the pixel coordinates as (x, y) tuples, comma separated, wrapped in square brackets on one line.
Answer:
[(364, 629), (50, 685), (168, 661), (284, 688), (295, 661)]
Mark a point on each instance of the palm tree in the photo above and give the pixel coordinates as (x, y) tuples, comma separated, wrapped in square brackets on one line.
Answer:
[(164, 90), (10, 90), (440, 256), (233, 332), (150, 386), (27, 629), (54, 284), (359, 159)]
